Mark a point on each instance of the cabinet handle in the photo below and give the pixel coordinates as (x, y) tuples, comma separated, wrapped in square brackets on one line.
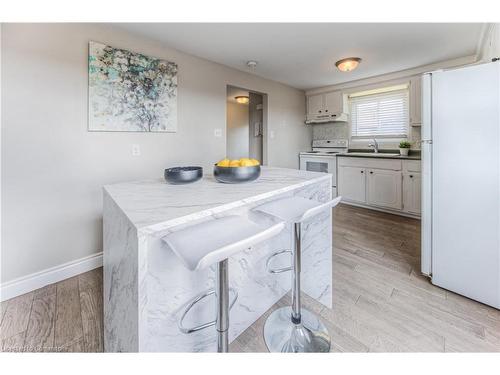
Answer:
[(362, 171), (326, 110), (319, 111), (411, 176), (371, 172)]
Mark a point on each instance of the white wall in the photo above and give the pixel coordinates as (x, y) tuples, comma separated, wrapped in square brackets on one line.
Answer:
[(490, 46), (343, 130), (53, 169), (237, 131), (255, 117)]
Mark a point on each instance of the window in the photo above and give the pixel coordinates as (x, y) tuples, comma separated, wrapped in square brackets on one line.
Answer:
[(380, 113)]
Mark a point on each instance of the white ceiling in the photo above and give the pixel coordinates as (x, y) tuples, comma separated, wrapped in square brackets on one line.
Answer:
[(303, 55)]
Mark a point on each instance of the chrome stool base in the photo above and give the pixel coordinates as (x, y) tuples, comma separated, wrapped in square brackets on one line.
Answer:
[(282, 335)]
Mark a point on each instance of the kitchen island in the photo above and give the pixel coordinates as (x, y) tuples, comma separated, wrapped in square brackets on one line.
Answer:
[(146, 287)]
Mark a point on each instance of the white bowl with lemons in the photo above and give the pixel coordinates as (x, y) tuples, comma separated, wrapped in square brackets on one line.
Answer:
[(237, 171)]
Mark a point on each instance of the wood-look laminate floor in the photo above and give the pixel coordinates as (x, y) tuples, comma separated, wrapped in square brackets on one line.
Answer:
[(380, 301), (62, 317)]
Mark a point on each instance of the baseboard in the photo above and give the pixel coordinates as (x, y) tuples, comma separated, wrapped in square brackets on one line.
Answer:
[(394, 212), (52, 275)]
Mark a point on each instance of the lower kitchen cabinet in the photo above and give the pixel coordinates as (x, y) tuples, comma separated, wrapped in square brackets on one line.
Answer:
[(412, 192), (351, 184), (384, 184), (383, 188)]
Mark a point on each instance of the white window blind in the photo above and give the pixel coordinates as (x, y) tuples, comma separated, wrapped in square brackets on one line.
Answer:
[(382, 114)]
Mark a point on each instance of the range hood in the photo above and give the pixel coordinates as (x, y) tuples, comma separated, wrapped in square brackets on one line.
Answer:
[(324, 119)]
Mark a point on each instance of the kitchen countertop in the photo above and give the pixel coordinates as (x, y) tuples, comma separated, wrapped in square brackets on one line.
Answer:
[(382, 154), (150, 202)]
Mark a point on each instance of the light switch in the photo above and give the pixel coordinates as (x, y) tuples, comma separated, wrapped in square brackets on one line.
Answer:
[(217, 133), (271, 134), (136, 150)]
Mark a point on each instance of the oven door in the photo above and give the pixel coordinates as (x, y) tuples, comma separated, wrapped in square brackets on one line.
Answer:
[(325, 164)]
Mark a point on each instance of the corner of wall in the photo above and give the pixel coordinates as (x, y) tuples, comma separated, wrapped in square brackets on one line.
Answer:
[(489, 43)]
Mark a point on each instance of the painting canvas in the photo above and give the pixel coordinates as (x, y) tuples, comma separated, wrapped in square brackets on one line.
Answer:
[(131, 92)]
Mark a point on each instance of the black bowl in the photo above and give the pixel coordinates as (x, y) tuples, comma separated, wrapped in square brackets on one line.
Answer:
[(183, 175), (234, 175)]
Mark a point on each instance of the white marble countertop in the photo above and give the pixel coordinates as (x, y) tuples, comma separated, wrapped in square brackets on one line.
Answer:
[(151, 203)]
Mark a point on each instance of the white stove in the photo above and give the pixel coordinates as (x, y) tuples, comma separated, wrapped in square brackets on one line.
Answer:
[(323, 158)]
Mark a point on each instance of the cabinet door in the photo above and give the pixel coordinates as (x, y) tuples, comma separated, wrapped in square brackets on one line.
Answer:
[(351, 184), (334, 102), (412, 192), (384, 188), (416, 101), (315, 104)]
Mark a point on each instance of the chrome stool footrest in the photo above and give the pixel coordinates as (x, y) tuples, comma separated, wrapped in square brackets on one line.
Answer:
[(277, 270), (194, 301)]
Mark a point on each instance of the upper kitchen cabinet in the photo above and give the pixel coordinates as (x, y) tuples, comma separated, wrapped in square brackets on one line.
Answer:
[(315, 105), (416, 101), (327, 107), (334, 102)]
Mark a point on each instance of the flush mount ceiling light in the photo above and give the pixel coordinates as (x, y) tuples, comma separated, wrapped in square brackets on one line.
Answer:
[(242, 99), (348, 64), (252, 64)]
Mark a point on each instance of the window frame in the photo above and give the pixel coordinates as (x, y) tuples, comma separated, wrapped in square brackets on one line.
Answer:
[(404, 86)]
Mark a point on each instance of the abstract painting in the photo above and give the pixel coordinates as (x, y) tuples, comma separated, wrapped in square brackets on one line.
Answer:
[(131, 92)]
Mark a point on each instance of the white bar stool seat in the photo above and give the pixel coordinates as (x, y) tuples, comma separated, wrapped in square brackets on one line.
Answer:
[(213, 242), (293, 329), (295, 209)]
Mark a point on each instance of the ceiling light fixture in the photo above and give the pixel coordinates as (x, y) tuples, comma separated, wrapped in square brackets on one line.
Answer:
[(242, 99), (252, 64), (348, 64)]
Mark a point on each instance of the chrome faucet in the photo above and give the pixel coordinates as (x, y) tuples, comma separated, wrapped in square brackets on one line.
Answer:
[(374, 145)]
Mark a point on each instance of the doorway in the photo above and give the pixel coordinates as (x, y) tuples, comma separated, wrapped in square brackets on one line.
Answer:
[(245, 124)]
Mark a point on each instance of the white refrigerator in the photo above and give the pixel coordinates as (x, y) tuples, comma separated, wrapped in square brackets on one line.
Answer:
[(461, 181)]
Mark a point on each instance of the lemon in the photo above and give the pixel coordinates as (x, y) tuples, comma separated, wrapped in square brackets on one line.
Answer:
[(234, 163), (246, 163), (254, 162), (224, 163)]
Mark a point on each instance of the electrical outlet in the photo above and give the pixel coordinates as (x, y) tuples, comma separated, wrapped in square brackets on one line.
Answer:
[(136, 150), (217, 133)]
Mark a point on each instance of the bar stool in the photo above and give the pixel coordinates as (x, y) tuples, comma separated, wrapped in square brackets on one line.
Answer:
[(211, 242), (293, 329)]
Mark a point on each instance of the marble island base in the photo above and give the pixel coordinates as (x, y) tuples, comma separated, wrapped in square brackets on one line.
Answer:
[(146, 287)]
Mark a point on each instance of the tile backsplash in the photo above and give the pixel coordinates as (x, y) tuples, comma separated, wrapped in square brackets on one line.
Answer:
[(331, 131), (415, 137)]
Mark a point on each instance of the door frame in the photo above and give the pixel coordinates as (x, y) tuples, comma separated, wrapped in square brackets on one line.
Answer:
[(265, 116)]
